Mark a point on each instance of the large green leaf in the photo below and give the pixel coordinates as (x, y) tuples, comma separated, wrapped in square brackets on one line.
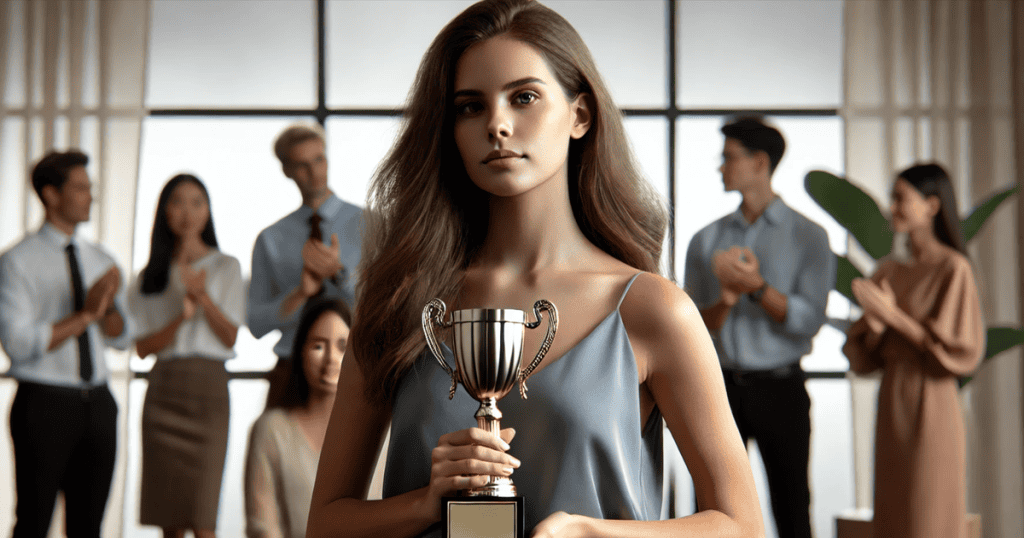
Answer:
[(973, 223), (845, 273), (998, 340), (853, 208)]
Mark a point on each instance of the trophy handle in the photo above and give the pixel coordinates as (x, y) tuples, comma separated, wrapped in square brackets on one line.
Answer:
[(433, 314), (539, 307)]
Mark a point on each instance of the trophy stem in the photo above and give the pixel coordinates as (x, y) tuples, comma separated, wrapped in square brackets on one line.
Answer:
[(488, 418)]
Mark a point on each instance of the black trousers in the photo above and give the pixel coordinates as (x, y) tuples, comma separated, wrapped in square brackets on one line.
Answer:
[(777, 414), (64, 440)]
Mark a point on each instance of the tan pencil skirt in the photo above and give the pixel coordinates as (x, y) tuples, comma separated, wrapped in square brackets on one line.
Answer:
[(184, 442)]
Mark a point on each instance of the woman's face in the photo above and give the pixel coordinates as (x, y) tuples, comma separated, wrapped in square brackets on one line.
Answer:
[(513, 120), (187, 210), (325, 347), (911, 210)]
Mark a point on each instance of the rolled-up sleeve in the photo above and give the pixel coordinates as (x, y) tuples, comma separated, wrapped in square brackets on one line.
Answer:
[(23, 335), (265, 297), (805, 309)]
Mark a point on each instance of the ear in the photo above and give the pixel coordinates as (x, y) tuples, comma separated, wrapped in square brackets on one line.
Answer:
[(287, 171), (764, 163), (50, 196), (934, 205), (582, 108)]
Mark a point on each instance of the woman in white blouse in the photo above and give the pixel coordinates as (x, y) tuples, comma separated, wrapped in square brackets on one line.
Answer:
[(285, 443), (188, 302)]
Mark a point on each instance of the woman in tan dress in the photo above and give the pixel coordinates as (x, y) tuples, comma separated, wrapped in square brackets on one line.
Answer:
[(922, 326)]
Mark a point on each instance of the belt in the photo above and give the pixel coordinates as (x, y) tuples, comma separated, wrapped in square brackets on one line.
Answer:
[(85, 394), (746, 377)]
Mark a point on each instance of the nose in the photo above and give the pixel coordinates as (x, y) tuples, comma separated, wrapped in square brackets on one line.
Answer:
[(499, 125)]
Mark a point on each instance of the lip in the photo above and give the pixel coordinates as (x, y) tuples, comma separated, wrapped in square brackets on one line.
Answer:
[(501, 154)]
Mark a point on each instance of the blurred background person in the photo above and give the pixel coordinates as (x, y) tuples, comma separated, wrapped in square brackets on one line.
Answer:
[(63, 418), (189, 301), (922, 327), (285, 443), (760, 277), (311, 252)]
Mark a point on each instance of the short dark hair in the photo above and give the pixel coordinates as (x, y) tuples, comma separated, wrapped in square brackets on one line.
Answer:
[(53, 169), (755, 135), (297, 389)]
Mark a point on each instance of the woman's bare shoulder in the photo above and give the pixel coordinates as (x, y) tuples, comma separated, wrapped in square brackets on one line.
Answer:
[(665, 329), (657, 311)]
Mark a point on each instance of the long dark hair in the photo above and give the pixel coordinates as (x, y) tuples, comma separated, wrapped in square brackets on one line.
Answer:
[(161, 246), (427, 218), (297, 389), (932, 180)]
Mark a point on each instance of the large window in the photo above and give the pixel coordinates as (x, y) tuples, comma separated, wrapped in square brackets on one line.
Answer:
[(226, 76)]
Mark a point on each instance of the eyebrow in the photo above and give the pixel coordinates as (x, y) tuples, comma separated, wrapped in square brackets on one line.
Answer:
[(506, 87)]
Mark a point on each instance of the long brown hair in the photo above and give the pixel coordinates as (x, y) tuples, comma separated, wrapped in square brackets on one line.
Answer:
[(427, 219)]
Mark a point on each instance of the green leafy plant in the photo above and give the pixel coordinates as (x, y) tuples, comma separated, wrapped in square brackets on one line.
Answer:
[(858, 212)]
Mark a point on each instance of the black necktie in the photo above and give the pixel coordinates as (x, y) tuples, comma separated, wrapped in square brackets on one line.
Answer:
[(316, 235), (314, 228), (78, 294)]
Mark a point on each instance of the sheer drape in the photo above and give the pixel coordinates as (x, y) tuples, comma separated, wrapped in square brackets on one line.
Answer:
[(72, 75), (941, 81)]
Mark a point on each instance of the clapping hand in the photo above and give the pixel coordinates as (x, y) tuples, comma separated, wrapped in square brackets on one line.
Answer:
[(101, 294), (321, 260), (188, 308), (878, 302), (194, 281), (738, 270)]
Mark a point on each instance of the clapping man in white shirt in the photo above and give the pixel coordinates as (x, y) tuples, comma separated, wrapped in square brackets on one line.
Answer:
[(60, 307)]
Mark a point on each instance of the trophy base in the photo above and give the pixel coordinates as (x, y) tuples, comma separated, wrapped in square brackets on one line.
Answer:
[(484, 517)]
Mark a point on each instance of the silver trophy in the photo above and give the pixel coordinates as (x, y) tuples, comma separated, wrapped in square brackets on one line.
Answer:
[(488, 349)]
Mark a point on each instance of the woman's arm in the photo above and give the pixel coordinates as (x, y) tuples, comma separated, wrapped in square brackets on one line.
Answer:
[(195, 285), (225, 330), (677, 362), (154, 342), (262, 466), (952, 334)]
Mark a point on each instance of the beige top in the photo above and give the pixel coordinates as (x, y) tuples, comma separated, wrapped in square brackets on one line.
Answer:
[(279, 473), (919, 439)]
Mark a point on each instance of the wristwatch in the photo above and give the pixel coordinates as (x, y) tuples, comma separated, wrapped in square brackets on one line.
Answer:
[(758, 294)]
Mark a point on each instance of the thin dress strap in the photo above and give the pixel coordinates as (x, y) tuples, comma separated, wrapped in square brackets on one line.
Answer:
[(625, 291)]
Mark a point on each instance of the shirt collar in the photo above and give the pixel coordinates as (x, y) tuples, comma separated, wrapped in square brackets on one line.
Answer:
[(328, 209), (773, 214), (53, 235)]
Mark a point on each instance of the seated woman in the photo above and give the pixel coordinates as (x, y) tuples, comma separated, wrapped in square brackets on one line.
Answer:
[(285, 442), (512, 181)]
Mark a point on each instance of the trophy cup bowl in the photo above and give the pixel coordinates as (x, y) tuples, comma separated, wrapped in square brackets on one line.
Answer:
[(488, 348)]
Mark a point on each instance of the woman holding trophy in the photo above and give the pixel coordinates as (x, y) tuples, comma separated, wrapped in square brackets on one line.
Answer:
[(512, 181)]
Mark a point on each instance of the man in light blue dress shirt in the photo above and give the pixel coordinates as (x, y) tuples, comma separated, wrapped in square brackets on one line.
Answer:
[(63, 419), (761, 277), (311, 252)]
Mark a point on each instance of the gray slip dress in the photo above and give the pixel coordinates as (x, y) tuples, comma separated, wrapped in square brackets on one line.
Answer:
[(583, 445)]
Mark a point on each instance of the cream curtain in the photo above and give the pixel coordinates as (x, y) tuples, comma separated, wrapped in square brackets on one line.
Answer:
[(942, 81), (72, 76)]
